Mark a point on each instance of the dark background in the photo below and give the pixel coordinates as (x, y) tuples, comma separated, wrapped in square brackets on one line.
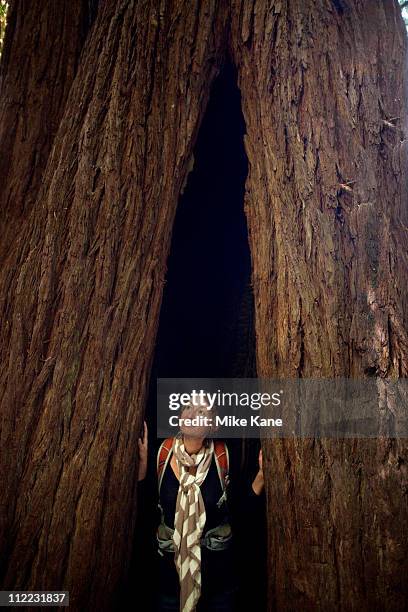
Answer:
[(206, 326)]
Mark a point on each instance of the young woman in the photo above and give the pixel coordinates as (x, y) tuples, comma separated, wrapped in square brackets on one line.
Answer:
[(196, 554)]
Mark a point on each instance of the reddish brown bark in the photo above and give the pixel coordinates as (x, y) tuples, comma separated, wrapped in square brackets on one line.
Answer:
[(41, 54), (320, 84), (82, 304), (324, 97)]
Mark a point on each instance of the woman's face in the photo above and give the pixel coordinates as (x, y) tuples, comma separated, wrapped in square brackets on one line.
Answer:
[(202, 420)]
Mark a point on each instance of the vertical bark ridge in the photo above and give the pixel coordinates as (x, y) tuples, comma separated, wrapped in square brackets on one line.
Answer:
[(324, 100), (41, 54), (83, 289)]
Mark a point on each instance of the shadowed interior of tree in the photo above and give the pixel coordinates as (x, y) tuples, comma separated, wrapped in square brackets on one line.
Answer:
[(206, 326)]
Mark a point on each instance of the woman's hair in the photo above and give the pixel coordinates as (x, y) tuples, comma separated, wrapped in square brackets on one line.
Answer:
[(213, 410)]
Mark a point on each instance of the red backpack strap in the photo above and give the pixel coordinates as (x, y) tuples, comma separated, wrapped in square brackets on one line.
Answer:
[(163, 456), (222, 461)]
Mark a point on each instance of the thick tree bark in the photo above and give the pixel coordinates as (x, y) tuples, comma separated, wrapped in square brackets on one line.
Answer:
[(322, 84), (41, 54), (323, 92), (82, 292)]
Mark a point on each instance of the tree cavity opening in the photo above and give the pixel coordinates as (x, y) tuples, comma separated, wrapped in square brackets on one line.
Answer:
[(206, 326)]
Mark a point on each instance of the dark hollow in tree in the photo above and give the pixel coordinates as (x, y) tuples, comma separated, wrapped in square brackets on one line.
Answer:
[(206, 326), (324, 97)]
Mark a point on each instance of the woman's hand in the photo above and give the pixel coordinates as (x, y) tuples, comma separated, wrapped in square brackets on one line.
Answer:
[(258, 483), (142, 443)]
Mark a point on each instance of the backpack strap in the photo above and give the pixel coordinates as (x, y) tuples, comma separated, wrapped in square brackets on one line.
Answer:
[(163, 456), (222, 461)]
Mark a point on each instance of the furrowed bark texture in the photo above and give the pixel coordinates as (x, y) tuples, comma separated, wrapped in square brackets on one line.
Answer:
[(323, 94), (40, 57), (324, 99), (82, 294)]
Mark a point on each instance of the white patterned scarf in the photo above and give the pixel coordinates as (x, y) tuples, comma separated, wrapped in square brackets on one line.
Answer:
[(189, 521)]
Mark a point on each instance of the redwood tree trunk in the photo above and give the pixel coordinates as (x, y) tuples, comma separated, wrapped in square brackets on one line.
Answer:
[(82, 290), (322, 84), (40, 57), (324, 97)]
